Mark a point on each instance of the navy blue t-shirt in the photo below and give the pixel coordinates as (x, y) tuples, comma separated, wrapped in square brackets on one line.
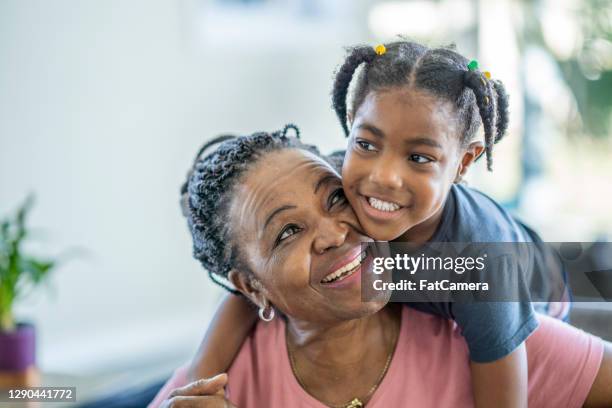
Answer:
[(492, 330)]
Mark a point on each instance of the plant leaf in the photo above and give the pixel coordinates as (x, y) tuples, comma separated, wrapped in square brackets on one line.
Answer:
[(36, 269)]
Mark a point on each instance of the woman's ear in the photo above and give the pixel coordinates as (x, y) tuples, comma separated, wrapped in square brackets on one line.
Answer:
[(248, 286), (473, 151)]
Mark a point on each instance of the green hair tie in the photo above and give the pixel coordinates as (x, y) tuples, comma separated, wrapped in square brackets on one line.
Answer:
[(473, 65)]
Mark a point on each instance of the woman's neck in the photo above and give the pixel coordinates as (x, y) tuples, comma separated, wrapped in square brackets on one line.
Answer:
[(325, 357)]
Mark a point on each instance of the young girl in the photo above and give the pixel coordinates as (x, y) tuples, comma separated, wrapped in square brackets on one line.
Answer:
[(412, 124)]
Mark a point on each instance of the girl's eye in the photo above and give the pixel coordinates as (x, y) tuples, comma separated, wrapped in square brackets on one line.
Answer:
[(288, 231), (417, 158), (337, 196), (367, 146)]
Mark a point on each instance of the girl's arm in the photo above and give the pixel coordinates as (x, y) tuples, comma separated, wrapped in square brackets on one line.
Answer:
[(501, 383), (232, 323)]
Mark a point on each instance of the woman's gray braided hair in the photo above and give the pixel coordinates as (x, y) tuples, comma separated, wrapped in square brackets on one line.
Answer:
[(207, 193)]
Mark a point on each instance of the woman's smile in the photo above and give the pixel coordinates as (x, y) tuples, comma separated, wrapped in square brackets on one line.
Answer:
[(349, 271)]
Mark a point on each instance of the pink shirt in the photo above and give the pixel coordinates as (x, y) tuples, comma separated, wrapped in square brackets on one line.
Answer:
[(430, 368)]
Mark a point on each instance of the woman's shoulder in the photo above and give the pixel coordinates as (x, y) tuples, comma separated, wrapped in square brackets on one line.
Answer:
[(261, 366), (266, 338), (563, 362)]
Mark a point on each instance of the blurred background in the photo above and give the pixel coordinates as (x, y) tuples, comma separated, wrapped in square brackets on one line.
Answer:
[(103, 105)]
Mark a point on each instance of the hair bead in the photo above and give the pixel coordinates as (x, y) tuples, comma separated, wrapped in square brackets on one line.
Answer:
[(380, 49), (472, 65)]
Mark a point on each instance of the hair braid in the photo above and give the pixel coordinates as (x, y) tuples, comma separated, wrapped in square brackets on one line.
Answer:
[(290, 126), (502, 110), (344, 75), (483, 91), (215, 141)]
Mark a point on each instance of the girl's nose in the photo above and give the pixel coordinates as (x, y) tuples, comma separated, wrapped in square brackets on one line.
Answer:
[(332, 233), (386, 174)]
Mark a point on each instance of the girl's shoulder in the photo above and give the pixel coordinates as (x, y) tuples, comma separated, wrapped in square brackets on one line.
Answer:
[(479, 218)]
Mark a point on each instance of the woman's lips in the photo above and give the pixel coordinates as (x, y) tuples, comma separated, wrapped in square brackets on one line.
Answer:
[(345, 270), (353, 276), (387, 211), (346, 259)]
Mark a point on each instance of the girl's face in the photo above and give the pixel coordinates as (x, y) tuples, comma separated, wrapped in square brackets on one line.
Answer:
[(295, 231), (404, 154)]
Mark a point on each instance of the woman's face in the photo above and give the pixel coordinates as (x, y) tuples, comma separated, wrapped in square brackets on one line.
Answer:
[(296, 232)]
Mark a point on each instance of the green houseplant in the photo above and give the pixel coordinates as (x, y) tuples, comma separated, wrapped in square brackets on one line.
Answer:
[(19, 272)]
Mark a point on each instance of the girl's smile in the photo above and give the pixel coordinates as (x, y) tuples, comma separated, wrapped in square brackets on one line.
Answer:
[(378, 208)]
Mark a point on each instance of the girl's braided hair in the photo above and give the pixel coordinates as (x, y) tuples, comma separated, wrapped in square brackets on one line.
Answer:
[(440, 71), (207, 193)]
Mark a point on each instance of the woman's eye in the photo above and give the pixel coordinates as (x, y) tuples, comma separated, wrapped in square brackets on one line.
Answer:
[(367, 146), (336, 197), (288, 231), (417, 158)]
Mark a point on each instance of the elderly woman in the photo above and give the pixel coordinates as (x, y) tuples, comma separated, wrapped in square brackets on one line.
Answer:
[(268, 214)]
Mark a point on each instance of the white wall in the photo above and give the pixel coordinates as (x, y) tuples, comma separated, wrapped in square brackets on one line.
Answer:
[(102, 107)]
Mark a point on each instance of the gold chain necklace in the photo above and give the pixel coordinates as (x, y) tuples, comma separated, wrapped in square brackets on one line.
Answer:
[(355, 402)]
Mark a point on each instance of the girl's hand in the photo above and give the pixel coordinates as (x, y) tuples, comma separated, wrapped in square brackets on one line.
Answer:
[(203, 393), (232, 323)]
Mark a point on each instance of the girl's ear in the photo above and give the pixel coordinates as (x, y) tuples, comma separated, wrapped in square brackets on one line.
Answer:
[(473, 151), (248, 286)]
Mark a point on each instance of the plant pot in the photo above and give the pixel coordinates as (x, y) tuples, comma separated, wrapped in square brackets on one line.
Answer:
[(18, 356)]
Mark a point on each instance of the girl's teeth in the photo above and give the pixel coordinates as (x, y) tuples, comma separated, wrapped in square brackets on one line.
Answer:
[(343, 272), (383, 205)]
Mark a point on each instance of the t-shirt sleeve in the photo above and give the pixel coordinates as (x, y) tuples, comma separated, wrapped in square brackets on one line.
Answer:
[(571, 354), (493, 330)]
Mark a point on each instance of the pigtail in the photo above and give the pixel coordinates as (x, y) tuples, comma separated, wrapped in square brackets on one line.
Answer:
[(502, 110), (342, 81), (486, 102)]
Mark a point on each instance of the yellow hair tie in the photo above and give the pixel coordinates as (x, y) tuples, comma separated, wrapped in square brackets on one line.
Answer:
[(380, 49), (487, 74)]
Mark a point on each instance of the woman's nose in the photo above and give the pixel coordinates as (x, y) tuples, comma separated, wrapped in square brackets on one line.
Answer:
[(332, 233), (386, 174)]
